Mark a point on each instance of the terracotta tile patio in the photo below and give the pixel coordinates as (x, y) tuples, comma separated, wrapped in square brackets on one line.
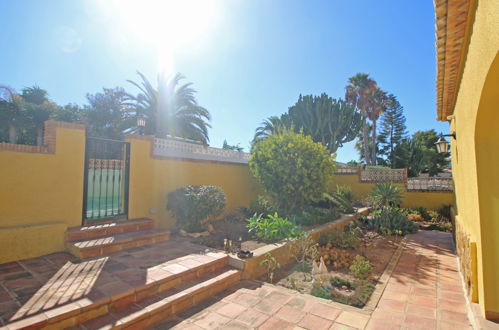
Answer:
[(60, 282), (424, 292)]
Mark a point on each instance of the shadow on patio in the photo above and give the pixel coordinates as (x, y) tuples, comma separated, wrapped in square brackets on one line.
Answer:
[(39, 285)]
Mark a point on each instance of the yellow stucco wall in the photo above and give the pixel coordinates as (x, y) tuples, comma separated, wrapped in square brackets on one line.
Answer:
[(151, 179), (40, 196), (475, 155), (411, 199)]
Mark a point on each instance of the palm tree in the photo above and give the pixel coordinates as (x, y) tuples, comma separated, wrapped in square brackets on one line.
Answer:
[(270, 126), (170, 109), (378, 104), (359, 92)]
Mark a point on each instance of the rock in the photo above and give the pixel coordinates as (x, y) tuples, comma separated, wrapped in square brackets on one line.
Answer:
[(183, 232)]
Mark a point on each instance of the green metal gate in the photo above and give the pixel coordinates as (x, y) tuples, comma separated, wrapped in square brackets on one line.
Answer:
[(106, 176)]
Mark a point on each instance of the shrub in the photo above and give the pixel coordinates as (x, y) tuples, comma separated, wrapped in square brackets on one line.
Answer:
[(292, 169), (304, 250), (313, 215), (321, 292), (361, 268), (386, 194), (271, 264), (345, 238), (335, 257), (422, 212), (415, 217), (192, 205), (272, 227), (434, 216), (390, 221), (342, 202), (262, 206), (445, 211), (346, 192)]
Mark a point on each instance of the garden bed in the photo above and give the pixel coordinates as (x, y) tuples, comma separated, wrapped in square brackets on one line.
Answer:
[(342, 286), (234, 227), (281, 251)]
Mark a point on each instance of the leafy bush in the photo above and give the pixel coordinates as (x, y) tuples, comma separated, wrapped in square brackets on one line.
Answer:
[(262, 206), (434, 216), (391, 221), (292, 169), (422, 212), (346, 192), (386, 194), (272, 228), (361, 268), (192, 205), (304, 250), (345, 238), (342, 202), (313, 215), (321, 292), (445, 211), (271, 264)]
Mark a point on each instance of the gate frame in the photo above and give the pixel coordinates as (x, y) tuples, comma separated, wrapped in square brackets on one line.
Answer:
[(84, 220)]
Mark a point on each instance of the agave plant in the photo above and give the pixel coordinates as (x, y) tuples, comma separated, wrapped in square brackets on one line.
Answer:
[(386, 194)]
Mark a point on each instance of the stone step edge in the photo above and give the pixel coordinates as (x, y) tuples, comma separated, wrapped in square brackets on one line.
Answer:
[(81, 251), (77, 312), (75, 233), (149, 315)]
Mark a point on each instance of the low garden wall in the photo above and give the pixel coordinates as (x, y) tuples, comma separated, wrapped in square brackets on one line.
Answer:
[(41, 192), (159, 166), (251, 268), (421, 196)]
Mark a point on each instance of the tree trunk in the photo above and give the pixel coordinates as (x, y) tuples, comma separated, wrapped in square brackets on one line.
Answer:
[(39, 136), (373, 145), (12, 133), (365, 141)]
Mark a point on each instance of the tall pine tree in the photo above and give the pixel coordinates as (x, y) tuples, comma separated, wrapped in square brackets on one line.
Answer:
[(392, 131)]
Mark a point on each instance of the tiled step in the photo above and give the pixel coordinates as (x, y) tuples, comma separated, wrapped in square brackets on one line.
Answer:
[(177, 277), (154, 309), (108, 228), (117, 242)]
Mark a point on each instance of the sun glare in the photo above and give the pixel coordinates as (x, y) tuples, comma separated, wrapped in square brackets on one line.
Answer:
[(167, 25)]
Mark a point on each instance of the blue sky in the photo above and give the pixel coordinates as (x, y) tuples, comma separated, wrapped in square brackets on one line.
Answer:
[(248, 59)]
